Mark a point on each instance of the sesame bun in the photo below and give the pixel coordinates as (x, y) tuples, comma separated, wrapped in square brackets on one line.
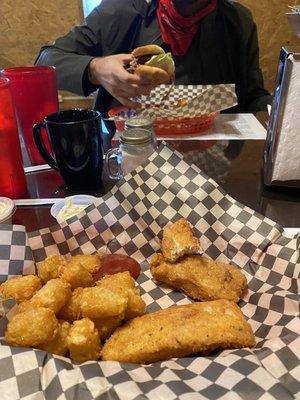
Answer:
[(150, 49), (155, 76)]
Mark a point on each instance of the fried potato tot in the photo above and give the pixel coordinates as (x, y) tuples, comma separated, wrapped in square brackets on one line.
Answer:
[(180, 331), (20, 288), (124, 284), (90, 262), (71, 311), (100, 302), (50, 268), (53, 295), (59, 344), (200, 278), (76, 275), (179, 240), (83, 341), (32, 328), (106, 326)]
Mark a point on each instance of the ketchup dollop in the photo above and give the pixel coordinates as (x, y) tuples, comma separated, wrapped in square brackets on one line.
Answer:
[(114, 263)]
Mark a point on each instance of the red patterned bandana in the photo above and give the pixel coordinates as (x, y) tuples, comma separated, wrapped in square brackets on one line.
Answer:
[(179, 31)]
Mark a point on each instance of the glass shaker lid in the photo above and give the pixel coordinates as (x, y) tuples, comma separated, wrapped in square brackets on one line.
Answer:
[(136, 136), (138, 122)]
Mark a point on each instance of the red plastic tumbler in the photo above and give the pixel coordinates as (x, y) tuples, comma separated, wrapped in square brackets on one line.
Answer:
[(34, 93), (12, 176)]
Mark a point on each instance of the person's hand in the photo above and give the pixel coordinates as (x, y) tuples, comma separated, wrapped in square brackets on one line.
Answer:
[(109, 72)]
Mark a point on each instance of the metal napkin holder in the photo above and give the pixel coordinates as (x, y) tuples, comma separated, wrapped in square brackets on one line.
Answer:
[(282, 149)]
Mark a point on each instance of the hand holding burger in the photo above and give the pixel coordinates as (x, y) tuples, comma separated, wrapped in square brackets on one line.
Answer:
[(126, 76)]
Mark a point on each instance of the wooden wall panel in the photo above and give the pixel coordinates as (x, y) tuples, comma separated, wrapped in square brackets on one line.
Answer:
[(274, 32), (26, 25)]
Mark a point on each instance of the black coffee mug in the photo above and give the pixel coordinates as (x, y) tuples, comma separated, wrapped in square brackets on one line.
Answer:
[(75, 138)]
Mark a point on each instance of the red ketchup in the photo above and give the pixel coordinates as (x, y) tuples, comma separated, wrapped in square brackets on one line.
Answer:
[(114, 263)]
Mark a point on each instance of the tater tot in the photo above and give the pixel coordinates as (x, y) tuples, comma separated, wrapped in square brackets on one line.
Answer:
[(50, 268), (90, 262), (107, 326), (59, 344), (83, 341), (20, 288), (76, 275), (124, 284), (32, 328), (100, 302), (53, 295), (71, 311)]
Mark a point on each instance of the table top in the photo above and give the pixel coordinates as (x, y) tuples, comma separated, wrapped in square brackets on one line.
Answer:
[(236, 165)]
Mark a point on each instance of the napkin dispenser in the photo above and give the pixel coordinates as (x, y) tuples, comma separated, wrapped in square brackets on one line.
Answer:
[(282, 149)]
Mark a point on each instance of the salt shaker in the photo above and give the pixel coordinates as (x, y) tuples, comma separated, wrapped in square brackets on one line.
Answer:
[(136, 146), (141, 123)]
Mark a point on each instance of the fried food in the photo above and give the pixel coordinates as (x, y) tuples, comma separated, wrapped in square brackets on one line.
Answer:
[(83, 341), (124, 284), (71, 311), (59, 344), (179, 240), (180, 331), (106, 326), (54, 295), (200, 278), (90, 262), (100, 302), (20, 288), (32, 328), (76, 275), (50, 268)]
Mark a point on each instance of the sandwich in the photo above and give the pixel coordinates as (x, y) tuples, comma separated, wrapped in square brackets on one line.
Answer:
[(153, 64)]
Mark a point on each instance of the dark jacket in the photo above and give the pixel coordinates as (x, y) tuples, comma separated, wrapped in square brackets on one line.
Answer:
[(224, 50)]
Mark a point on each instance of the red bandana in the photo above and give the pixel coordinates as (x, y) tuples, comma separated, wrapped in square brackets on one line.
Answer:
[(179, 31)]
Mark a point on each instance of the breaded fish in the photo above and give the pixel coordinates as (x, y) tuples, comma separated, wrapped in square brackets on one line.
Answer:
[(200, 278), (179, 240), (180, 331)]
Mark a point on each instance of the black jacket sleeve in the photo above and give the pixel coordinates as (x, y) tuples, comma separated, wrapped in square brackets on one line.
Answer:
[(257, 97), (72, 53)]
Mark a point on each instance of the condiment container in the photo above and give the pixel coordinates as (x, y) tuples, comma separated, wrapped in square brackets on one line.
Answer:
[(68, 206), (7, 210), (136, 146)]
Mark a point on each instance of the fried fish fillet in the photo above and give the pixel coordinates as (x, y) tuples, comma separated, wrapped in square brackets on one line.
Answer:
[(180, 331), (179, 240), (199, 277)]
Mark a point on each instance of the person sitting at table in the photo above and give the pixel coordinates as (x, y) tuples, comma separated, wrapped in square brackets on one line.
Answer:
[(212, 42)]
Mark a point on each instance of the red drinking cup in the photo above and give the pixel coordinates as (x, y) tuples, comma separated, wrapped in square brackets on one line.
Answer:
[(34, 93), (12, 176)]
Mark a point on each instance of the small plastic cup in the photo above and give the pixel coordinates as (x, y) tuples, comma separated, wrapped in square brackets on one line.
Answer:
[(79, 199), (7, 210)]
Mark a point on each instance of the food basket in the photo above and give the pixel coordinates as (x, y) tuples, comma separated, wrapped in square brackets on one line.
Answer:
[(181, 109), (181, 126)]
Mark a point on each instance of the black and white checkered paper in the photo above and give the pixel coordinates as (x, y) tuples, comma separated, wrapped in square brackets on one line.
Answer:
[(130, 220), (200, 100)]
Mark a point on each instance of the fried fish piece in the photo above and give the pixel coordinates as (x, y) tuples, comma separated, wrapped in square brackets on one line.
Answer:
[(124, 284), (179, 240), (20, 288), (32, 328), (53, 295), (180, 331), (83, 341), (59, 344), (200, 278), (50, 268)]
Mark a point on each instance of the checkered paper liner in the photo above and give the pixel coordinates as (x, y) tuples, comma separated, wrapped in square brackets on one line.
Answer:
[(200, 100), (130, 220)]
